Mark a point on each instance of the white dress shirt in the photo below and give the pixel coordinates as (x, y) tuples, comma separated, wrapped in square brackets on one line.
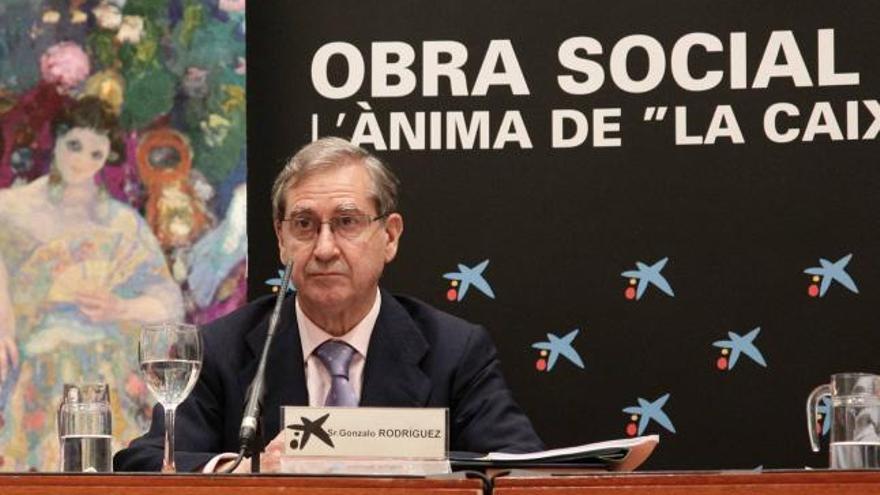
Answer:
[(317, 377)]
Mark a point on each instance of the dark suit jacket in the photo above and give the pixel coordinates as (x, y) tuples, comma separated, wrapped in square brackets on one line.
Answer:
[(418, 356)]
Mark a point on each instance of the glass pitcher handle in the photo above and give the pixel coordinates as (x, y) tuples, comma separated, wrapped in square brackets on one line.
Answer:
[(813, 404)]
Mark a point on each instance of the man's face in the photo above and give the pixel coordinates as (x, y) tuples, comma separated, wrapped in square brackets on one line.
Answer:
[(332, 272)]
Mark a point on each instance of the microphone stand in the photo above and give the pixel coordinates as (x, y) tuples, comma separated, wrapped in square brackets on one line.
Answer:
[(250, 433)]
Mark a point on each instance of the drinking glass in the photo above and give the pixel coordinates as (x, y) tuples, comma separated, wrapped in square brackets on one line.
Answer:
[(85, 429), (171, 358), (855, 420)]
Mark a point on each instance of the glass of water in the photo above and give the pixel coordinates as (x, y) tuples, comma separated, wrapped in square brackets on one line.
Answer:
[(84, 428), (171, 358)]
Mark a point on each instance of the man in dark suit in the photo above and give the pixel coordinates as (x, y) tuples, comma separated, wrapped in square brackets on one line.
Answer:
[(334, 209)]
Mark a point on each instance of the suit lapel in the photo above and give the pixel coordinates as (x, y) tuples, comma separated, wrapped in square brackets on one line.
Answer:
[(285, 375), (392, 376)]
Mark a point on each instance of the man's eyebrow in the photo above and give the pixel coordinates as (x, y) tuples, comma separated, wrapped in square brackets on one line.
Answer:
[(347, 208), (300, 210)]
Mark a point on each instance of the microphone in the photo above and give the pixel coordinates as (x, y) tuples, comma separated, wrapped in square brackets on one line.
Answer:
[(249, 421)]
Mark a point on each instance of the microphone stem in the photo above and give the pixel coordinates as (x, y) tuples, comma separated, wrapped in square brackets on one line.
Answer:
[(251, 417)]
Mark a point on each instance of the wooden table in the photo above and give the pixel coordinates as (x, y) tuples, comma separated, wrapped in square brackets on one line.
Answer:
[(819, 482), (125, 484), (672, 483)]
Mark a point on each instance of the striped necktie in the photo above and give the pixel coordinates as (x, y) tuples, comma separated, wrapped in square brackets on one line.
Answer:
[(336, 356)]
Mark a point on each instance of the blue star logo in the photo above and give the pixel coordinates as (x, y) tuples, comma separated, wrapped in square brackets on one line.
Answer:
[(824, 409), (467, 277), (645, 275), (737, 345), (275, 283), (558, 346), (648, 411), (828, 272)]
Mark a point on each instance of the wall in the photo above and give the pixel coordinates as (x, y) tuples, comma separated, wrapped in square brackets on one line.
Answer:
[(735, 215)]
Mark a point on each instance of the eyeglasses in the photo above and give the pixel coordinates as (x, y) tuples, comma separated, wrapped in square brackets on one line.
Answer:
[(305, 228)]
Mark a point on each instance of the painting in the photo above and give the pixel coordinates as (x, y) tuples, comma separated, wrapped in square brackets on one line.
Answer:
[(122, 197)]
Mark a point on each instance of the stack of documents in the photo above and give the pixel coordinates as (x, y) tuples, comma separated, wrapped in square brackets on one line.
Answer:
[(614, 455)]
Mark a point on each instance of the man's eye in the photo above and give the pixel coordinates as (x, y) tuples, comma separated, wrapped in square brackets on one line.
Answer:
[(347, 221), (97, 155), (303, 223), (73, 145)]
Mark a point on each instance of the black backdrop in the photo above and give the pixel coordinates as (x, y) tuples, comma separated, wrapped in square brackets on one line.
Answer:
[(738, 222)]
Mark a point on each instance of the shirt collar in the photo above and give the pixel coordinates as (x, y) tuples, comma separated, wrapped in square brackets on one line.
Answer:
[(358, 337)]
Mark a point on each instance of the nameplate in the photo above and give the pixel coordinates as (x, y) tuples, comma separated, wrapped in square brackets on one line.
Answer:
[(365, 432)]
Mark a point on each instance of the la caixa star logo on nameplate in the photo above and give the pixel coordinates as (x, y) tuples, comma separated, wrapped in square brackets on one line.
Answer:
[(306, 428), (365, 432)]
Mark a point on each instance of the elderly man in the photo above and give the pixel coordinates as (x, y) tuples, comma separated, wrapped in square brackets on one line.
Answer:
[(334, 210)]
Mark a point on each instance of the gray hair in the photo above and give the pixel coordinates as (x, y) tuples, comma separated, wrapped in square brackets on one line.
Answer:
[(333, 152)]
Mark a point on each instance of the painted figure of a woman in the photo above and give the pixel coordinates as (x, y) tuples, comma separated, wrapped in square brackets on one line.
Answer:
[(80, 272)]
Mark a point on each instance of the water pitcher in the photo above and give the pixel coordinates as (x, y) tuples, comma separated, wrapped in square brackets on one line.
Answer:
[(85, 429), (854, 408)]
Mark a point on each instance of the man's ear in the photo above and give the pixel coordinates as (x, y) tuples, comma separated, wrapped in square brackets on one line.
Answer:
[(393, 231), (280, 237)]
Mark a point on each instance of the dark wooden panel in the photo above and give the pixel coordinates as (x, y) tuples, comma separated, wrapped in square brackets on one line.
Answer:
[(47, 484), (714, 483)]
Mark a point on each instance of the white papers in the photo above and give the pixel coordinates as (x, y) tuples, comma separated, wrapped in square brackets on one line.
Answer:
[(616, 455)]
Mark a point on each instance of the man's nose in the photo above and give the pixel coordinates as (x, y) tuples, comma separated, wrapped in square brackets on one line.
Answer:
[(325, 243)]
